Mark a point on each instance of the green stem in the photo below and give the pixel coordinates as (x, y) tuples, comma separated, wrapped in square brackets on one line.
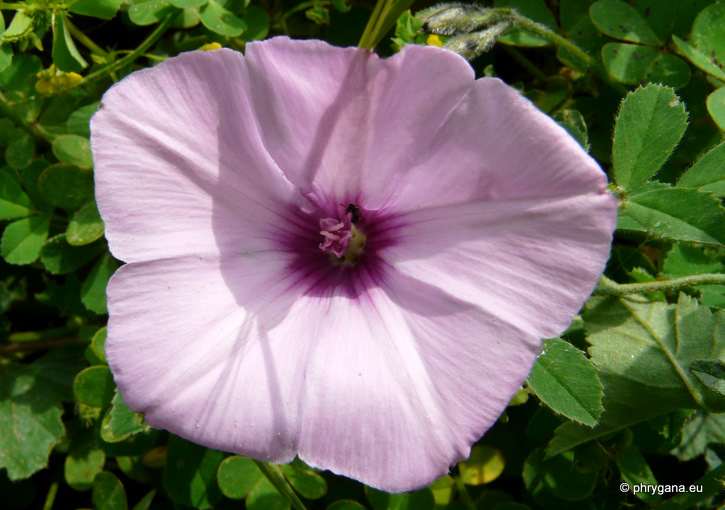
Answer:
[(276, 478), (32, 129), (12, 6), (39, 345), (609, 288), (562, 43), (369, 36), (50, 498), (85, 40), (300, 7), (128, 59), (467, 499), (30, 336)]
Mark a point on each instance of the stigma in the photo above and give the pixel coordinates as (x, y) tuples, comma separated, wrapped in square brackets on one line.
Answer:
[(341, 239)]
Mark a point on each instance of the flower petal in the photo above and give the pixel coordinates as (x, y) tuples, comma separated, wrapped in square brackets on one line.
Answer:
[(495, 145), (400, 383), (190, 351), (179, 165), (338, 121), (529, 262), (391, 388)]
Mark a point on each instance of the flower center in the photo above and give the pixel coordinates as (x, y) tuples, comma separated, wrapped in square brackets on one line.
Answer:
[(341, 239)]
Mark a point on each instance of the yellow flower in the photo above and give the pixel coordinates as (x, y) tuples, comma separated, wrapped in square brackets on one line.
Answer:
[(434, 40)]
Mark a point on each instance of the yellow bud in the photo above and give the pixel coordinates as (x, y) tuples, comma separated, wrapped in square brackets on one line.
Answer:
[(434, 40), (211, 46)]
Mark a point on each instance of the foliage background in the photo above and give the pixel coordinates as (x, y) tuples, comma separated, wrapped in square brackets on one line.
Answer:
[(631, 392)]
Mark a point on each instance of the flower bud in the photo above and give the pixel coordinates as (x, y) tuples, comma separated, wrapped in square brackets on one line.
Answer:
[(453, 19), (472, 45)]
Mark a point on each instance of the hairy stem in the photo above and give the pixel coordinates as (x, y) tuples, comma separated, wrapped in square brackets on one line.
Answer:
[(561, 43), (609, 288)]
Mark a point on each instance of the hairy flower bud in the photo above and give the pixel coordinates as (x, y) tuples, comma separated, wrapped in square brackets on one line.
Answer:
[(453, 19), (472, 45)]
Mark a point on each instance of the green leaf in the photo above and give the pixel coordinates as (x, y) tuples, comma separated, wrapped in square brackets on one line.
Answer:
[(345, 504), (219, 20), (566, 381), (14, 203), (535, 10), (74, 150), (108, 493), (574, 123), (20, 151), (65, 54), (190, 474), (650, 123), (238, 476), (341, 5), (558, 477), (676, 214), (574, 18), (660, 15), (716, 107), (418, 500), (708, 173), (59, 257), (84, 461), (257, 21), (628, 63), (20, 77), (149, 12), (305, 481), (93, 291), (187, 4), (484, 465), (94, 386), (85, 225), (643, 352), (120, 422), (104, 9), (23, 240), (635, 470), (708, 35), (66, 186), (78, 122), (145, 502), (6, 55), (670, 70), (703, 431), (30, 418), (98, 344), (20, 27), (699, 58), (29, 178), (619, 20), (711, 373)]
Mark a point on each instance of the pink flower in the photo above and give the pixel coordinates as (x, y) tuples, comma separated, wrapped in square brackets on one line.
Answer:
[(336, 256)]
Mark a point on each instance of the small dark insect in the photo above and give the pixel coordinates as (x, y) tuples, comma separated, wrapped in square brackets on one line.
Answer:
[(355, 211)]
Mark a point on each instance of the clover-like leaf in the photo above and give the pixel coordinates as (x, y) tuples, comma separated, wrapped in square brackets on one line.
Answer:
[(646, 349), (23, 239), (221, 21), (566, 381), (676, 214), (620, 20), (708, 173), (190, 474), (650, 123)]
